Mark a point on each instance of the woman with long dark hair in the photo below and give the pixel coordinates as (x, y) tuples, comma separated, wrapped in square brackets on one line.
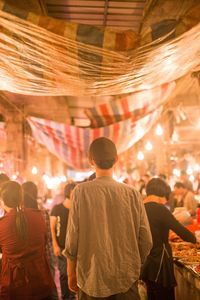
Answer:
[(30, 192), (25, 272)]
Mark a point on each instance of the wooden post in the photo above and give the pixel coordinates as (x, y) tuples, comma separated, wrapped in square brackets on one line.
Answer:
[(16, 143)]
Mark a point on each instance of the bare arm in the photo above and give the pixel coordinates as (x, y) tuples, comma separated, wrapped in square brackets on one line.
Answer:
[(71, 273), (56, 248), (71, 243)]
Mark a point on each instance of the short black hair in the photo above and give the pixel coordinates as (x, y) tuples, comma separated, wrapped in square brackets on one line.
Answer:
[(103, 151), (105, 164), (68, 189), (179, 185), (158, 187), (162, 176)]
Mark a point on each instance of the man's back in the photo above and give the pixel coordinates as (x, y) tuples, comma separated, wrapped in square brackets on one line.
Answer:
[(110, 238)]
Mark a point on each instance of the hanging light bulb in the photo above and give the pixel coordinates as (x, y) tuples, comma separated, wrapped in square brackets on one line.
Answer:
[(140, 155), (148, 146), (189, 171), (176, 172), (159, 130), (63, 178), (175, 136), (14, 177), (34, 170), (197, 167), (191, 178)]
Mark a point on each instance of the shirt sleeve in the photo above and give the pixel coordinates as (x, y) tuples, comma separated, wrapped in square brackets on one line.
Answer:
[(54, 212), (177, 227), (190, 203), (145, 238), (71, 242)]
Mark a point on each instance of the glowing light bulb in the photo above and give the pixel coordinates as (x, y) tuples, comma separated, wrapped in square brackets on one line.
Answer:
[(175, 137), (63, 178), (159, 130), (198, 124), (140, 155), (176, 172), (189, 171), (34, 170), (191, 178), (196, 168), (148, 146)]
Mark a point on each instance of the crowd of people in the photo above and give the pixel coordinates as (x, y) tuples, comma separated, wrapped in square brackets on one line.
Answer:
[(104, 237)]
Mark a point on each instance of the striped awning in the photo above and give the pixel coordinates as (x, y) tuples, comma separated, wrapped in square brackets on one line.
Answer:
[(71, 143), (133, 106)]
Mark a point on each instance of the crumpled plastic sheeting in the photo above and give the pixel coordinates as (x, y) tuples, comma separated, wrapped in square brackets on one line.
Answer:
[(35, 61), (168, 16)]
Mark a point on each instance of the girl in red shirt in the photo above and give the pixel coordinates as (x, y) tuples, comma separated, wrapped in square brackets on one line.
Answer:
[(25, 272)]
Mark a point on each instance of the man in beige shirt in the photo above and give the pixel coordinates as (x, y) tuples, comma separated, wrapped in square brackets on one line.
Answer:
[(108, 236), (184, 198)]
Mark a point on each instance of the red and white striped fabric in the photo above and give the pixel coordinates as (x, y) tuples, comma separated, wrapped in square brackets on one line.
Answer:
[(70, 143), (133, 106)]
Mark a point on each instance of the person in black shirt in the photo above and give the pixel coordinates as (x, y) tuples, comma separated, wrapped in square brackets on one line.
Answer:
[(59, 219), (157, 272)]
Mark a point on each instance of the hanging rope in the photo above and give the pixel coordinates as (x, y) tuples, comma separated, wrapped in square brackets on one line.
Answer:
[(36, 61)]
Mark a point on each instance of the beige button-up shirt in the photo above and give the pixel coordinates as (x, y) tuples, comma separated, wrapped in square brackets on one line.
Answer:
[(108, 236)]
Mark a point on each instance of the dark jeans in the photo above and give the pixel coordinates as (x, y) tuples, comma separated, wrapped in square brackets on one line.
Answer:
[(62, 267), (131, 294), (158, 292), (54, 295)]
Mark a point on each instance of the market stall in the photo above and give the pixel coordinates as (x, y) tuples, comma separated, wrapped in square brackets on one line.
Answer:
[(188, 281), (187, 270)]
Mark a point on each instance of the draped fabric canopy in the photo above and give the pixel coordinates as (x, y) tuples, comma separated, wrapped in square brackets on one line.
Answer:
[(42, 56), (71, 143), (133, 106)]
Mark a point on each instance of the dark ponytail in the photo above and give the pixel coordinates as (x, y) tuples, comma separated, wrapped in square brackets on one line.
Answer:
[(12, 196), (21, 224)]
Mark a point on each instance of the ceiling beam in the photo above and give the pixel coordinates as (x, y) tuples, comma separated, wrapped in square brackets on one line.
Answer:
[(36, 6), (105, 13)]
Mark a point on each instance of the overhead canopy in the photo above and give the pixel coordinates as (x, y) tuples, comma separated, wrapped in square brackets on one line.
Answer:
[(107, 78), (86, 60), (70, 143)]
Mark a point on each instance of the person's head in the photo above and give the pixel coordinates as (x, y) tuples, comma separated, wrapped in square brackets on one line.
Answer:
[(3, 178), (12, 197), (68, 189), (146, 178), (159, 188), (162, 176), (184, 175), (30, 194), (179, 188), (11, 194), (103, 153)]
